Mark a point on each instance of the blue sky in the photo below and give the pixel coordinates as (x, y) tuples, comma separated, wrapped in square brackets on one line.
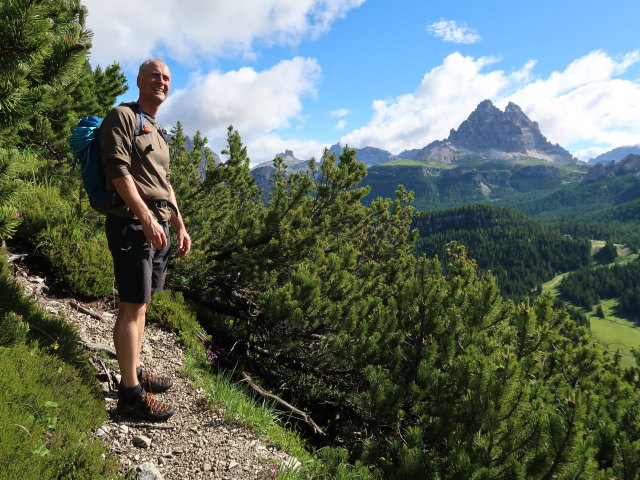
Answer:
[(304, 74)]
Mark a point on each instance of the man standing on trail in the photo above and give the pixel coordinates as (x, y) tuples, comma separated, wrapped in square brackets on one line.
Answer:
[(135, 159)]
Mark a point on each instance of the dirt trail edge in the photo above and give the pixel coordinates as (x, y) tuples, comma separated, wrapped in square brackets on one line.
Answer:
[(196, 443)]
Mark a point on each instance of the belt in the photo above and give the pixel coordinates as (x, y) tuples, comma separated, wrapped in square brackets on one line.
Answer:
[(162, 204), (157, 203)]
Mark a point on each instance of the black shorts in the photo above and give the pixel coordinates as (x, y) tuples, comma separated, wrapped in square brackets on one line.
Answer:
[(139, 269)]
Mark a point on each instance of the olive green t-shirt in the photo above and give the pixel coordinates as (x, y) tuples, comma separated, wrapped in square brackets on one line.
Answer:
[(145, 157)]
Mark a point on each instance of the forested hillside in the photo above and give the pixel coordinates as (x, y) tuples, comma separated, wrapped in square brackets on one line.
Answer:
[(604, 208), (405, 366), (587, 286), (471, 180), (582, 200), (521, 253)]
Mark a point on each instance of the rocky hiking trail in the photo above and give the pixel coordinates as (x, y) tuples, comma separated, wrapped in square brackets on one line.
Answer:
[(196, 442)]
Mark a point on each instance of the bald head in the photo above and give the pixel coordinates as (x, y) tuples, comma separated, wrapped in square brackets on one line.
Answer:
[(149, 63), (154, 82)]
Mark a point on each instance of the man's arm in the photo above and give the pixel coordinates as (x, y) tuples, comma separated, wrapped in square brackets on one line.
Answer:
[(184, 240), (153, 232)]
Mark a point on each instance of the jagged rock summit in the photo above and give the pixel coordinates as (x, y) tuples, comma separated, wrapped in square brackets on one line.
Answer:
[(629, 164), (491, 133), (288, 157)]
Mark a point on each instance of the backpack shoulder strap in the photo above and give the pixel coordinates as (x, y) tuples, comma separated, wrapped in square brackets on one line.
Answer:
[(141, 126)]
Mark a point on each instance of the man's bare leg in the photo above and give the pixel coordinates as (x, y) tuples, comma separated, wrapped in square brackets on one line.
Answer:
[(127, 338), (141, 324), (134, 399)]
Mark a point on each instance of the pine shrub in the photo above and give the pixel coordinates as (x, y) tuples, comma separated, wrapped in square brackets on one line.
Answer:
[(12, 329), (9, 187), (69, 240), (41, 207), (79, 258)]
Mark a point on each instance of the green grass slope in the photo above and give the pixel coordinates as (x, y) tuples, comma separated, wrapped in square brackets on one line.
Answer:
[(617, 334)]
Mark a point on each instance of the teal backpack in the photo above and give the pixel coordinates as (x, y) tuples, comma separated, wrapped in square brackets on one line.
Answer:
[(85, 147)]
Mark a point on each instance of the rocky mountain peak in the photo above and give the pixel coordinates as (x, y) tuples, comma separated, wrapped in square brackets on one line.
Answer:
[(491, 133), (512, 108), (288, 157), (485, 106)]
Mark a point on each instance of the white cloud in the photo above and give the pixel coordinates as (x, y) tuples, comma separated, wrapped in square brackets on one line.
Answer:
[(585, 104), (266, 147), (340, 125), (186, 30), (588, 153), (446, 96), (341, 112), (255, 103), (452, 31)]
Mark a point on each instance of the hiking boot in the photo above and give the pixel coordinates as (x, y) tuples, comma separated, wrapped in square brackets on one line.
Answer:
[(153, 384), (144, 406)]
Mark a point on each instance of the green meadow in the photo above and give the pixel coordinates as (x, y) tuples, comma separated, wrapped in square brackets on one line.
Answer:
[(617, 334)]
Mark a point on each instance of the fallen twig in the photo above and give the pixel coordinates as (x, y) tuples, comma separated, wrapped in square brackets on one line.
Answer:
[(98, 347), (22, 427), (302, 415), (86, 310), (108, 373)]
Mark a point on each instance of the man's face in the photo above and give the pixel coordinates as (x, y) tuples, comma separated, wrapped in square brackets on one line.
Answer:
[(155, 82)]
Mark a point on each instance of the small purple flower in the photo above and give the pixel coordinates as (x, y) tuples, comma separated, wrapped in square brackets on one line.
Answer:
[(212, 357)]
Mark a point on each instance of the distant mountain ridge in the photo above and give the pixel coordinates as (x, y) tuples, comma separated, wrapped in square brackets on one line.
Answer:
[(487, 133), (616, 154), (368, 155), (607, 192)]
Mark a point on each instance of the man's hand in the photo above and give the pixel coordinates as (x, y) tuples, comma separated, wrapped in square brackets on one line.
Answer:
[(184, 242), (154, 234)]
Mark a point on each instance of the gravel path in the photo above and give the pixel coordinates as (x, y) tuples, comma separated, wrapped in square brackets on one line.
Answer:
[(196, 442)]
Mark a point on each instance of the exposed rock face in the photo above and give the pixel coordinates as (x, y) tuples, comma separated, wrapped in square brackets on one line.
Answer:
[(264, 172), (288, 157), (491, 133), (631, 163), (441, 151)]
